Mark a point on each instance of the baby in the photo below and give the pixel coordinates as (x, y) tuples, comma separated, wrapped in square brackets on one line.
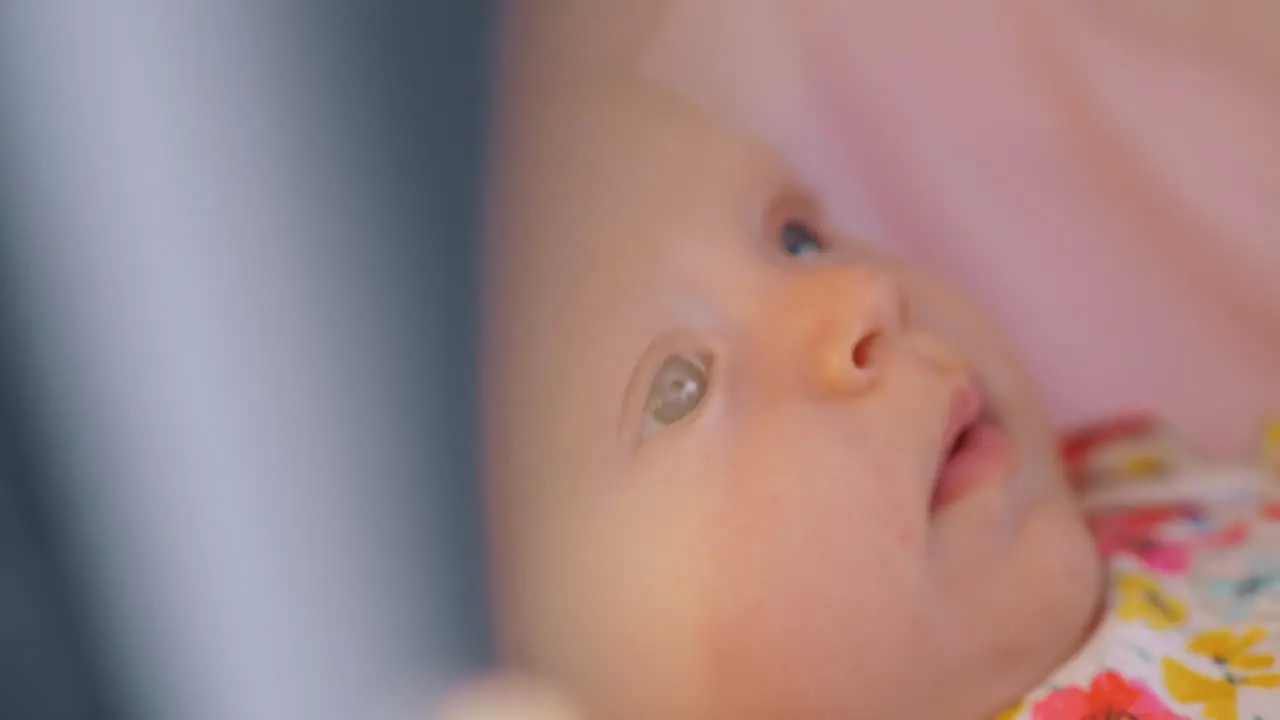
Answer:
[(743, 466)]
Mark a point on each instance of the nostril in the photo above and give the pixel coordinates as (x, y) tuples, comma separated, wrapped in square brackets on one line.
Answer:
[(865, 349)]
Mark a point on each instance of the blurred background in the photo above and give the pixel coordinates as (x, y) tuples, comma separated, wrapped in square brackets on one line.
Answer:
[(238, 314)]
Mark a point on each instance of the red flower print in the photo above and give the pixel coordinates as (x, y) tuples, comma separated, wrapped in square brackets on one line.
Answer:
[(1271, 510), (1229, 536), (1110, 695), (1078, 444)]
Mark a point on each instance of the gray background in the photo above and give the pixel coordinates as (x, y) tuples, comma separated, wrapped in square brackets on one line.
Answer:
[(237, 372)]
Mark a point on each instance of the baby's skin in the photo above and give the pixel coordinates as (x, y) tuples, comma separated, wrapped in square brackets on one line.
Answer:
[(742, 466)]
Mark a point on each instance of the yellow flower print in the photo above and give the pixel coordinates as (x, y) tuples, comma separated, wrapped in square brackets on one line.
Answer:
[(1269, 447), (1144, 600), (1011, 713), (1144, 465), (1230, 653), (1271, 434)]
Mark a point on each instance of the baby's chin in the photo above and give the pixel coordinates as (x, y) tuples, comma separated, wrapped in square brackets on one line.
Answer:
[(1011, 619)]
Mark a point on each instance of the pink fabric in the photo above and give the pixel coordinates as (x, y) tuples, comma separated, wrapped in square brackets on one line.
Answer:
[(1104, 175)]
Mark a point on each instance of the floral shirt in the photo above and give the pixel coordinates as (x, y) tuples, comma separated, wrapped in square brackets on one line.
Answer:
[(1192, 623)]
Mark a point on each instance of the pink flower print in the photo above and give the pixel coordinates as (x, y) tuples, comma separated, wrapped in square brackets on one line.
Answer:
[(1135, 534)]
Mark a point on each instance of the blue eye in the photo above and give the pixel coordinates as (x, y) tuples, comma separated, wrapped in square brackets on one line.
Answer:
[(799, 240)]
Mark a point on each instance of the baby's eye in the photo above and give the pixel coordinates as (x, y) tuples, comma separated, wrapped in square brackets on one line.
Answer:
[(677, 388), (798, 239)]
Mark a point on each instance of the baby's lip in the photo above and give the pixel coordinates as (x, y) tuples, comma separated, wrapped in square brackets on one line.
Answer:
[(966, 409), (975, 449)]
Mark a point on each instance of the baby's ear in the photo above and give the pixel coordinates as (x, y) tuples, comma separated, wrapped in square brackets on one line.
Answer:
[(506, 696)]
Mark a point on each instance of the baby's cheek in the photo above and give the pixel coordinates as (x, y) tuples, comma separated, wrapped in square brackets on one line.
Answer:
[(815, 600)]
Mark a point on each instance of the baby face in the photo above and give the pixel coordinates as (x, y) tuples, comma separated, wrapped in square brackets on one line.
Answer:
[(773, 472)]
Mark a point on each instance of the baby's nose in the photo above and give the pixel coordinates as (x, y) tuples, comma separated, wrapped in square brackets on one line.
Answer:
[(860, 314)]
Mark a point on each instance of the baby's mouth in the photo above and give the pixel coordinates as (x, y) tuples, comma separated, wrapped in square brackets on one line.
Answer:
[(968, 408), (974, 448), (960, 443)]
